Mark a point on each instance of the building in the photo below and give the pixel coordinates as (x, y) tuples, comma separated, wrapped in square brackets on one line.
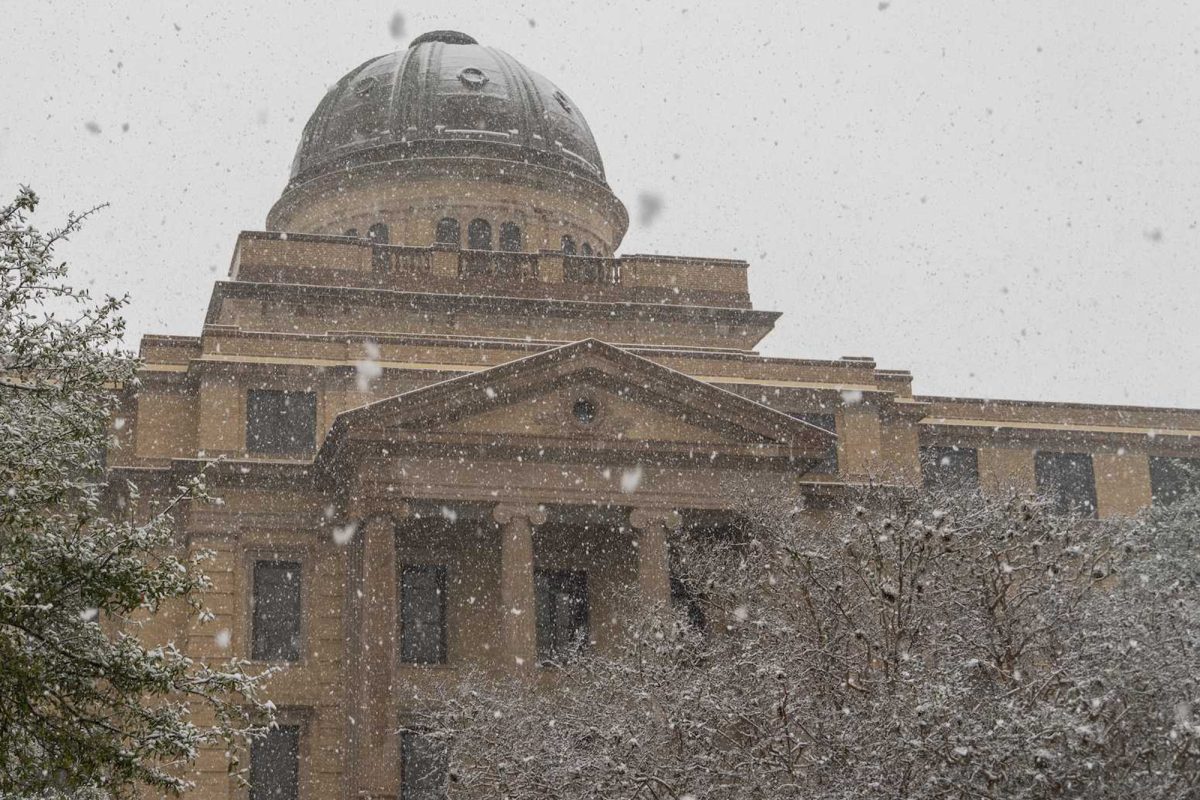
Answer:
[(457, 428)]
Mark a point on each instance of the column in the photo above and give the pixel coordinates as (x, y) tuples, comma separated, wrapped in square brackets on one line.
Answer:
[(518, 625), (1005, 469), (1122, 483), (653, 526), (375, 707)]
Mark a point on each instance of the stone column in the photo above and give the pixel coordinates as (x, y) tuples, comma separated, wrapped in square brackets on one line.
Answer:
[(374, 768), (653, 566), (518, 625), (1122, 483)]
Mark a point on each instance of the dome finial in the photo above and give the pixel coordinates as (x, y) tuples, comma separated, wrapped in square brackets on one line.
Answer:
[(445, 37)]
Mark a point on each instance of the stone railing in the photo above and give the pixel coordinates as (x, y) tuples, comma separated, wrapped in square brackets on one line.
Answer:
[(401, 260), (591, 270), (341, 261), (498, 264)]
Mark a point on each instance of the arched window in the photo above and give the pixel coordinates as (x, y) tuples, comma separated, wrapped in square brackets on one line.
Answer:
[(378, 233), (479, 235), (568, 245), (448, 232), (351, 232), (586, 249), (510, 237)]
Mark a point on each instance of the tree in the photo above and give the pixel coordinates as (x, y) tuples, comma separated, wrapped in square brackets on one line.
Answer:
[(84, 705), (909, 644)]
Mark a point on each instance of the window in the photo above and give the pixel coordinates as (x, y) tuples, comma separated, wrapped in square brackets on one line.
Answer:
[(423, 767), (684, 599), (479, 235), (351, 232), (275, 623), (586, 249), (562, 613), (826, 422), (510, 237), (568, 245), (1068, 479), (275, 764), (423, 615), (378, 233), (950, 467), (280, 423), (1173, 479), (448, 232), (584, 411)]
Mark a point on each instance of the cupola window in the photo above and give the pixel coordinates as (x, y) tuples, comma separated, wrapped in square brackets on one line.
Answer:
[(479, 235), (378, 233), (510, 237), (586, 249), (448, 232), (568, 245)]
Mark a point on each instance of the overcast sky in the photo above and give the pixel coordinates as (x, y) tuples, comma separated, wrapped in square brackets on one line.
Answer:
[(999, 196)]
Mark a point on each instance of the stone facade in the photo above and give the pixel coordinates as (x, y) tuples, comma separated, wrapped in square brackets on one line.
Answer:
[(495, 414)]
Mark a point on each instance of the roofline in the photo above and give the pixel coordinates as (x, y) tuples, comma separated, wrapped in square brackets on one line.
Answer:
[(221, 289), (1064, 404)]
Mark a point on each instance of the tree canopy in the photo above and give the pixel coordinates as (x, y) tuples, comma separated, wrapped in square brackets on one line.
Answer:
[(907, 644), (85, 705)]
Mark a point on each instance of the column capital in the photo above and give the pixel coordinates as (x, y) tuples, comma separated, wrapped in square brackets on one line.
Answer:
[(642, 518), (505, 513)]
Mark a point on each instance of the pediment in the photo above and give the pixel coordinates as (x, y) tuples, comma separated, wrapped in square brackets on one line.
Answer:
[(584, 396), (590, 405)]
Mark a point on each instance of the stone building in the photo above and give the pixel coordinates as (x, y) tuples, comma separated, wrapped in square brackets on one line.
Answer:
[(457, 427)]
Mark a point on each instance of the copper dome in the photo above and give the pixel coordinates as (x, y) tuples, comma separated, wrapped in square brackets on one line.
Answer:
[(446, 96)]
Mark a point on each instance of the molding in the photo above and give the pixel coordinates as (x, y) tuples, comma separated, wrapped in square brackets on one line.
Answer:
[(641, 519), (504, 513)]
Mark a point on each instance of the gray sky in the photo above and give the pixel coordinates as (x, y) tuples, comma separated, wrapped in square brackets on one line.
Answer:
[(1000, 196)]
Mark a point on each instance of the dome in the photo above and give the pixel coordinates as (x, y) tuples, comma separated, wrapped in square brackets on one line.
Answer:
[(445, 134), (446, 94)]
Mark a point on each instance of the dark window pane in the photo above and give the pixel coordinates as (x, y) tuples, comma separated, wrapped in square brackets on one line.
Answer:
[(510, 237), (586, 249), (826, 422), (275, 765), (479, 235), (683, 599), (568, 245), (1173, 479), (378, 233), (1068, 479), (351, 232), (448, 231), (276, 620), (950, 467), (562, 613), (424, 767), (280, 423), (423, 615)]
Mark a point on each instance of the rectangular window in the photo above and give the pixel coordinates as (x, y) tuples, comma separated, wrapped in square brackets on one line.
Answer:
[(1068, 479), (826, 422), (280, 423), (562, 613), (275, 765), (276, 618), (423, 767), (1173, 479), (950, 467), (423, 615)]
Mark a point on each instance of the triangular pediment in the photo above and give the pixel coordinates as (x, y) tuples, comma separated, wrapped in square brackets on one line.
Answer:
[(588, 396)]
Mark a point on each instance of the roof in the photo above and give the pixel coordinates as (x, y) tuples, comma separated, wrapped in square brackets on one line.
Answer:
[(446, 95)]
